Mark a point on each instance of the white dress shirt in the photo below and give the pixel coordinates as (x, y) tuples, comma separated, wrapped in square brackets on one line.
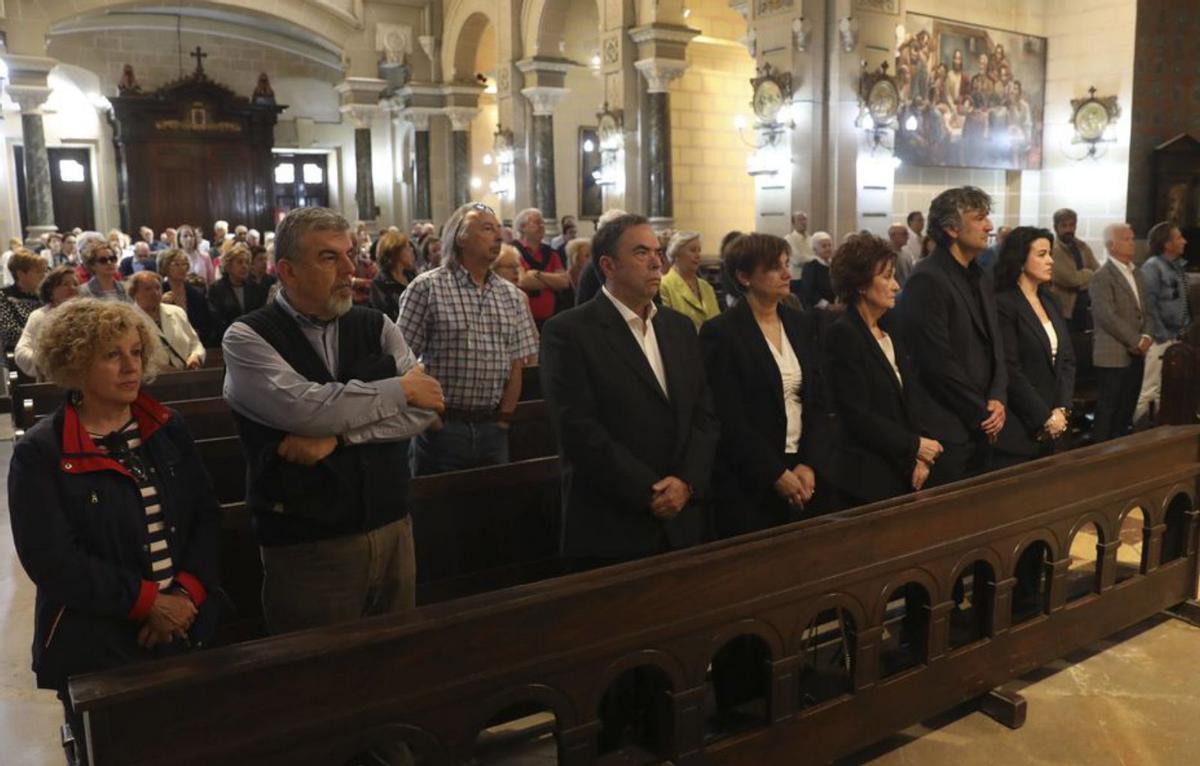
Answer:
[(1127, 270), (643, 333), (1053, 336), (913, 248), (793, 379)]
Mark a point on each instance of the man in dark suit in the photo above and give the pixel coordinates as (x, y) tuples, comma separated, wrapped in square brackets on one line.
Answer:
[(949, 321), (637, 449)]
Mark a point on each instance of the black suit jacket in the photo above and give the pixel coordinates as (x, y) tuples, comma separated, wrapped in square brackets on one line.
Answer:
[(954, 338), (748, 393), (619, 434), (878, 419), (224, 307), (816, 285), (1037, 383)]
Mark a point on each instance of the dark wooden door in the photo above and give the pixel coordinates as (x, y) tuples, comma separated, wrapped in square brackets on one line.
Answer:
[(70, 187), (301, 180)]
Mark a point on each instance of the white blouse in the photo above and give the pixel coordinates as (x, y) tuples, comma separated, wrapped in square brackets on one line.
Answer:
[(1053, 336), (889, 351), (793, 378)]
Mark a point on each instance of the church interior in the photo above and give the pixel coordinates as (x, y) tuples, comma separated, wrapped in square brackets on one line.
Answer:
[(908, 630)]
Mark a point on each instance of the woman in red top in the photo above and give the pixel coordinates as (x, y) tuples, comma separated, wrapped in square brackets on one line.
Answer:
[(544, 272)]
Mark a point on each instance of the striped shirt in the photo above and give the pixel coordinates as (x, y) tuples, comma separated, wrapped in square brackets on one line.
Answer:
[(467, 337), (125, 446)]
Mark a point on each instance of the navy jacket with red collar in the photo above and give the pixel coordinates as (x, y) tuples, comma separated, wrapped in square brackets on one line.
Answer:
[(80, 532)]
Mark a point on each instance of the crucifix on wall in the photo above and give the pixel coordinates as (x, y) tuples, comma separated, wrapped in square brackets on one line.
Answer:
[(199, 55)]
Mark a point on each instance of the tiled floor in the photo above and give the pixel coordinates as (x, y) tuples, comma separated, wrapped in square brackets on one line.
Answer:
[(1132, 700)]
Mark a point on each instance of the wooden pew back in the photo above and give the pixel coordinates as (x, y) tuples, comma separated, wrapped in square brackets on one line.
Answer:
[(437, 676)]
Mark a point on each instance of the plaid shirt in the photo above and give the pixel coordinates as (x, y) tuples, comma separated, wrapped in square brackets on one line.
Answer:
[(467, 338)]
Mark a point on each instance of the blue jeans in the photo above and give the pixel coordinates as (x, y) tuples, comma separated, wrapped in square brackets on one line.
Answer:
[(458, 446)]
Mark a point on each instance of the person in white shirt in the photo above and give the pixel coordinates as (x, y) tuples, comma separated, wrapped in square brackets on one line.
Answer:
[(801, 248), (59, 286), (898, 240), (916, 229), (180, 346)]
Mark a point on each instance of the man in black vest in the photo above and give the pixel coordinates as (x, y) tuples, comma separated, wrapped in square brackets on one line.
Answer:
[(326, 396), (948, 311)]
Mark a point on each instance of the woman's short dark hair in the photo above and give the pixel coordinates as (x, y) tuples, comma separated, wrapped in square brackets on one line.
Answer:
[(390, 246), (747, 254), (856, 263), (52, 281), (1011, 260)]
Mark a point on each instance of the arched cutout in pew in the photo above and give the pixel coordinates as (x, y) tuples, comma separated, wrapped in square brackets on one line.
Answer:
[(635, 716), (1083, 573), (1175, 536), (828, 652), (739, 682), (1031, 593), (905, 640), (971, 617), (1132, 549)]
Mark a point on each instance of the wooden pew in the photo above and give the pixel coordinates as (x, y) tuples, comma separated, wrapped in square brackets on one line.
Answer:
[(37, 399), (438, 676), (1180, 401)]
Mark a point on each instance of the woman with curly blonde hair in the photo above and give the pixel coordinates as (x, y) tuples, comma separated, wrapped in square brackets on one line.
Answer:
[(113, 516)]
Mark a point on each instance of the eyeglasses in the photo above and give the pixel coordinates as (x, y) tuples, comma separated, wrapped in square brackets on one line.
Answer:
[(106, 259)]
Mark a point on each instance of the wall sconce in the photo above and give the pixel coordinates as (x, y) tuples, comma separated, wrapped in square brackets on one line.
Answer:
[(611, 132), (879, 105), (502, 148), (772, 104), (801, 32), (848, 32)]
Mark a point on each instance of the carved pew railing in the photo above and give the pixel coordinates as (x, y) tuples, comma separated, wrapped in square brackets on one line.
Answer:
[(435, 678)]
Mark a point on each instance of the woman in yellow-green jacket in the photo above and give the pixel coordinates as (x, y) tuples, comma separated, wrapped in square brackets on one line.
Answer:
[(683, 289)]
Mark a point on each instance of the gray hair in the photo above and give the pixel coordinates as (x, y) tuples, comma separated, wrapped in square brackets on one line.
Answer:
[(678, 240), (523, 217), (1110, 233), (947, 209), (820, 236), (608, 216), (573, 249), (170, 254), (291, 231), (88, 243), (453, 229)]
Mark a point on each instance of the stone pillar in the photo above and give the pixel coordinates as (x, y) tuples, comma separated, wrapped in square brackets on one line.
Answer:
[(422, 192), (28, 86), (544, 78), (360, 103), (460, 123), (662, 58)]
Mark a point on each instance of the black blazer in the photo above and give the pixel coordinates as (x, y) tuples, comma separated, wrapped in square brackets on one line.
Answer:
[(748, 393), (956, 345), (815, 284), (224, 307), (1037, 384), (878, 419), (619, 435)]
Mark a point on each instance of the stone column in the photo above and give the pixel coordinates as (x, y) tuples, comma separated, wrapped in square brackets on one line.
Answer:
[(422, 193), (460, 123), (28, 86), (360, 103), (662, 58), (544, 78)]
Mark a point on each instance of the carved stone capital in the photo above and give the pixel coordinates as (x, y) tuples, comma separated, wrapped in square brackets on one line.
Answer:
[(419, 116), (461, 117), (355, 91), (544, 99), (660, 72), (428, 44), (360, 114), (30, 98)]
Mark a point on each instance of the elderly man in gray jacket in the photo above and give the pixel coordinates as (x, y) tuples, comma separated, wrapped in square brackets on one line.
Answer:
[(1122, 334)]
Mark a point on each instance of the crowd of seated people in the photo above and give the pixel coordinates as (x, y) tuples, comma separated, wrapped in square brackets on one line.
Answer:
[(807, 381)]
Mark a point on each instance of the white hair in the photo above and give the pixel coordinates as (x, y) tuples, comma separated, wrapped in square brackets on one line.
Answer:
[(678, 240), (608, 216), (820, 236), (1110, 233), (523, 217)]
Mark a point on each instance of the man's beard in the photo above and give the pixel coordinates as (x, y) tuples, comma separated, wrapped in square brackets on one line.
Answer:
[(336, 306)]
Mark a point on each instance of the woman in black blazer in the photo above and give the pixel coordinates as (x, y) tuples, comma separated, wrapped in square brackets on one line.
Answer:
[(223, 300), (1037, 349), (879, 450), (769, 461)]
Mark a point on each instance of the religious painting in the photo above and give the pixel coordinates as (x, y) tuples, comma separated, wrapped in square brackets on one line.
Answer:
[(970, 96), (591, 199)]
